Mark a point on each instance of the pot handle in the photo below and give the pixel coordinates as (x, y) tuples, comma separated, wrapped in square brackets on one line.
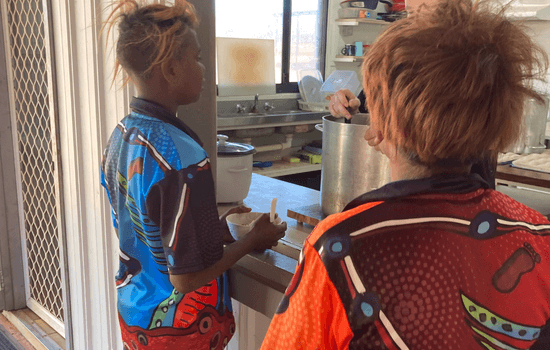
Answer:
[(319, 127), (222, 139), (240, 170)]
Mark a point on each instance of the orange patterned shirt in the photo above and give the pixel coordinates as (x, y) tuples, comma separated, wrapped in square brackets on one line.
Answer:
[(445, 266)]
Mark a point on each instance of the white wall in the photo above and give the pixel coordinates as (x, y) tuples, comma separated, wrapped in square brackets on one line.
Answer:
[(540, 32), (338, 36), (202, 115)]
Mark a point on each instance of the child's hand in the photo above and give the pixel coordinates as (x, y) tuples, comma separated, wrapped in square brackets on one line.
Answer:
[(265, 234)]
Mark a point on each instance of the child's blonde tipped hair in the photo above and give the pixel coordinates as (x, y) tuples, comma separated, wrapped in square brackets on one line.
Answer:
[(149, 35)]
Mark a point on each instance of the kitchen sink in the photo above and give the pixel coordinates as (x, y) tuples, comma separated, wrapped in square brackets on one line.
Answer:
[(241, 115), (228, 121), (287, 112)]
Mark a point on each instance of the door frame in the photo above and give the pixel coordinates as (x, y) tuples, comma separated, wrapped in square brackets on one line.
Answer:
[(62, 328), (12, 282)]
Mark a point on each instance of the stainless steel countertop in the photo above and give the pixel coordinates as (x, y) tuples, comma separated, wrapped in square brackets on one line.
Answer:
[(250, 119), (259, 279)]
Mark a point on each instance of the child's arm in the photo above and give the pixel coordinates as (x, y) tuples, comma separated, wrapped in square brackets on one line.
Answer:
[(182, 203), (263, 236)]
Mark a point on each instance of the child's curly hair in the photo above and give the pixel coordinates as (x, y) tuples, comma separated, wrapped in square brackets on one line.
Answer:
[(448, 83), (149, 35)]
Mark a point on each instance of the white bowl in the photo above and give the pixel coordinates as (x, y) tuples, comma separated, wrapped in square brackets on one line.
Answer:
[(240, 224)]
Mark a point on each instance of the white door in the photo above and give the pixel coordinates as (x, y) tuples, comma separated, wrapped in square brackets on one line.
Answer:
[(31, 87)]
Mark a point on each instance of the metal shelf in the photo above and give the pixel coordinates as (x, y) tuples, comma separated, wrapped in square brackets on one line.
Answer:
[(358, 21), (348, 59), (281, 168)]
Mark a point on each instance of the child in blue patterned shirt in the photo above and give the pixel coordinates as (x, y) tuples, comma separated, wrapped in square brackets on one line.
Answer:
[(172, 285)]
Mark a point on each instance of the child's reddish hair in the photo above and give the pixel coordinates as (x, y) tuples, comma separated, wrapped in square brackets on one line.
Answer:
[(449, 82), (150, 35)]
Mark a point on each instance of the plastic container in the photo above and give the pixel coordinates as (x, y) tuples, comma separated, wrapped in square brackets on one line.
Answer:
[(341, 79)]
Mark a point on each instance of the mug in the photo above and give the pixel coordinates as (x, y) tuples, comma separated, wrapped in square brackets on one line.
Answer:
[(358, 48), (349, 50)]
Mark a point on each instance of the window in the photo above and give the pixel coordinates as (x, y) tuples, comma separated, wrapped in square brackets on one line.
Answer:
[(298, 28)]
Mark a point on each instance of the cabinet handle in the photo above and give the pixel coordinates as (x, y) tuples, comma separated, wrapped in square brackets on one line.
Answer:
[(237, 170)]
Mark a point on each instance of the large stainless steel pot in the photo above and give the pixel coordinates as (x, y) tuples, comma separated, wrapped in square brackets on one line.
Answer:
[(350, 166)]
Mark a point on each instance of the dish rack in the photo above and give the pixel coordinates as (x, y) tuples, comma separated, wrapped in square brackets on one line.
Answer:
[(313, 106)]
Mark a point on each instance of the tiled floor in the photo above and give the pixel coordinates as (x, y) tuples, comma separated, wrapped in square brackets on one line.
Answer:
[(32, 331)]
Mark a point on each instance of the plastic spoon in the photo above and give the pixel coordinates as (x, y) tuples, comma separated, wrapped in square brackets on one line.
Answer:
[(272, 212)]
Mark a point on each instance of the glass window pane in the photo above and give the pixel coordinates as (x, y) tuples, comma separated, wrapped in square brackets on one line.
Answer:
[(252, 19), (305, 47)]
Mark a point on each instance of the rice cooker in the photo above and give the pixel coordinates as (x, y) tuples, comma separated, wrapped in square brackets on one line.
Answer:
[(234, 170)]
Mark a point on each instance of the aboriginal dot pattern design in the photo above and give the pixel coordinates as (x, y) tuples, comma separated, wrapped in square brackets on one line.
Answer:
[(160, 186), (438, 271)]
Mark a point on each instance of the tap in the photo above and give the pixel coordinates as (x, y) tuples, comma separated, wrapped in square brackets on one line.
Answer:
[(240, 108), (255, 106), (268, 106)]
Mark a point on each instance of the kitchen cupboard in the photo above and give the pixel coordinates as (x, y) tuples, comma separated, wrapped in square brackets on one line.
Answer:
[(348, 31), (347, 26)]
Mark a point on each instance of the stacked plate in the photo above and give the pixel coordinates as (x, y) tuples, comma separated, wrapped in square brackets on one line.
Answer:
[(537, 162), (310, 86)]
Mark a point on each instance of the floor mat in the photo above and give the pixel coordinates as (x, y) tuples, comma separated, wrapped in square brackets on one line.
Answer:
[(5, 342)]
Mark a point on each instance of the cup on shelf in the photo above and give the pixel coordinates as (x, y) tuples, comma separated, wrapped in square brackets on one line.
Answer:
[(348, 50), (358, 48)]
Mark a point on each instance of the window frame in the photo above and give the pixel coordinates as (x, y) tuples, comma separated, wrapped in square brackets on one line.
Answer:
[(292, 87)]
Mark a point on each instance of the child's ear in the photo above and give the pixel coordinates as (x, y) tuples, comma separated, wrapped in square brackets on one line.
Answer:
[(169, 71), (389, 150)]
